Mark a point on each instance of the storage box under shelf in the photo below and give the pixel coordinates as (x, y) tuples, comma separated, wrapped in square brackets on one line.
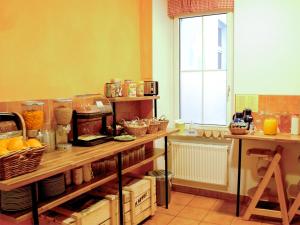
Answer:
[(139, 197), (91, 211)]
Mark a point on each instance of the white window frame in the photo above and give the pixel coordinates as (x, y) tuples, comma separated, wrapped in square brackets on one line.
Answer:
[(230, 52)]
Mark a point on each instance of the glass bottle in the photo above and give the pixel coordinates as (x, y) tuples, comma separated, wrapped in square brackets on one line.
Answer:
[(258, 121)]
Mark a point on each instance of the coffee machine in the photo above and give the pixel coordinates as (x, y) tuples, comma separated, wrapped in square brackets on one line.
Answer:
[(247, 117)]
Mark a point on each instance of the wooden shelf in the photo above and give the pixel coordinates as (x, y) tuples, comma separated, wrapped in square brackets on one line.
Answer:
[(75, 191), (149, 158), (132, 99), (61, 161)]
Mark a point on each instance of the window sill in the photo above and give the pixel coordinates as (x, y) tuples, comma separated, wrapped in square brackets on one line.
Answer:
[(203, 132)]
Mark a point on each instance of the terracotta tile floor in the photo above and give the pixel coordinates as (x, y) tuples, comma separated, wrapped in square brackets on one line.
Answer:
[(186, 209)]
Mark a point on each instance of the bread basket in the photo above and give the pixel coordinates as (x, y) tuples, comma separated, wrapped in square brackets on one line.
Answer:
[(135, 127), (153, 125), (20, 162), (16, 163), (163, 123)]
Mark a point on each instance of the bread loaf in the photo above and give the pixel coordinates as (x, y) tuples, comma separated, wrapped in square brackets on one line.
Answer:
[(7, 126)]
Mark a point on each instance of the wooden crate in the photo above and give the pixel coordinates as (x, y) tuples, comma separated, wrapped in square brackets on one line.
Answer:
[(103, 212), (139, 197), (142, 198)]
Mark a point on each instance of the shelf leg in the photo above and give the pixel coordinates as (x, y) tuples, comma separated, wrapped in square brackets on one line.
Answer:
[(166, 173), (237, 213), (155, 107), (120, 187), (35, 214), (114, 119), (104, 125)]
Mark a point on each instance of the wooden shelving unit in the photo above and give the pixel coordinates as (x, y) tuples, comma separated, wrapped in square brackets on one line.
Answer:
[(58, 162), (133, 99), (75, 191), (61, 161)]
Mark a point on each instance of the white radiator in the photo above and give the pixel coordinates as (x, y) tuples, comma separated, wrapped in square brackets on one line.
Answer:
[(206, 163)]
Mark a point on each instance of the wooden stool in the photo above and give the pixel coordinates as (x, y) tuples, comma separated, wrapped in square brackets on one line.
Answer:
[(294, 192), (273, 169)]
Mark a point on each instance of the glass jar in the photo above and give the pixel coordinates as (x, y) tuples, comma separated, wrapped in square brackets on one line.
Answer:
[(258, 121), (132, 89), (285, 123), (125, 87), (270, 125), (140, 89), (117, 87), (111, 90), (129, 88), (33, 114), (63, 111)]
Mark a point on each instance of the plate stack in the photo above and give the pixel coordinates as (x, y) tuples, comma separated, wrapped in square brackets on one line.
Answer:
[(16, 200), (53, 186)]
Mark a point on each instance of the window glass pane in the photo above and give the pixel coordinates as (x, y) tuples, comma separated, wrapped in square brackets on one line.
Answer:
[(214, 42), (191, 97), (214, 97), (191, 43)]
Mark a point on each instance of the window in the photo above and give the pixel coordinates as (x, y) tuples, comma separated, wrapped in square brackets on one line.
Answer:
[(203, 76)]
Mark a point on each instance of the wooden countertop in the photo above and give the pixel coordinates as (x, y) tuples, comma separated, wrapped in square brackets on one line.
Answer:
[(61, 161), (258, 136)]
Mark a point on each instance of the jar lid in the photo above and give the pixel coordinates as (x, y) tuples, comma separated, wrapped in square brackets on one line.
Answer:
[(63, 100), (30, 103), (115, 80)]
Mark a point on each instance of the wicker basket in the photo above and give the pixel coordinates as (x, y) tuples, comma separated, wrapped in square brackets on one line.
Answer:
[(153, 125), (20, 162), (238, 130), (163, 124), (153, 128), (135, 127), (136, 130)]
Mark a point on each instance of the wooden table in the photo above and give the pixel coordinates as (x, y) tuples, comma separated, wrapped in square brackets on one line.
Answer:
[(61, 161), (279, 138)]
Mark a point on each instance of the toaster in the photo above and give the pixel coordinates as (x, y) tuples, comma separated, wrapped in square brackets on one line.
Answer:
[(150, 88)]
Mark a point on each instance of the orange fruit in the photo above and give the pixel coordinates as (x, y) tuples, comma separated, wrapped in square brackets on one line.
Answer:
[(32, 142), (4, 142), (15, 144), (3, 151)]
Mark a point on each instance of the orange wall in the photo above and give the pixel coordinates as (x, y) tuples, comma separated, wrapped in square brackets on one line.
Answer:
[(55, 48)]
